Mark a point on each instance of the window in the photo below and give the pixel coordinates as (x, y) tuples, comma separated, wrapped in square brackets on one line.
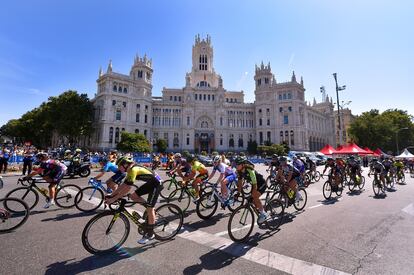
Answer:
[(188, 121), (145, 133), (284, 96), (285, 119), (231, 100), (221, 121), (203, 84), (280, 109), (175, 98), (268, 110), (179, 98), (269, 136), (146, 107), (268, 122), (266, 80), (188, 139), (208, 97), (137, 117), (260, 138), (113, 102), (116, 135), (240, 142), (203, 63), (195, 96), (138, 106), (260, 122), (259, 82), (124, 104), (280, 97), (231, 142), (145, 119), (212, 97), (136, 131), (289, 96), (139, 74), (125, 91), (171, 98), (120, 89), (292, 138), (204, 97), (227, 100), (290, 108), (260, 110), (111, 134), (114, 89), (118, 115), (123, 130)]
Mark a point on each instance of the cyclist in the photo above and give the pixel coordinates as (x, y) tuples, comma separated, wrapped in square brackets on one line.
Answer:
[(68, 155), (196, 166), (227, 175), (245, 170), (311, 165), (335, 173), (399, 167), (274, 165), (52, 171), (108, 165), (354, 168), (152, 187), (298, 164), (387, 165), (180, 166), (378, 168), (290, 175)]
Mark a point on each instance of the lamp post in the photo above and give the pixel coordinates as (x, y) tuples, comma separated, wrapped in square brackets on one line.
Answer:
[(396, 138), (337, 102)]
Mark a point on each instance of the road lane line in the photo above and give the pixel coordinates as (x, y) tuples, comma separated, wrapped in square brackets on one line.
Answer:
[(253, 254), (409, 209)]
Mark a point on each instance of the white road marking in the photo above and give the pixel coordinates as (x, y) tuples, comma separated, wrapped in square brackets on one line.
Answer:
[(315, 206), (253, 254), (409, 209)]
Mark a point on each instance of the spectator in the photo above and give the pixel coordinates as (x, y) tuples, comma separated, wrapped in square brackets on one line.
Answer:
[(27, 162)]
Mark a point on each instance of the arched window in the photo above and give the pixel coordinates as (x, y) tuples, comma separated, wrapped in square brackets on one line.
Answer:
[(111, 134), (145, 133), (203, 84), (287, 136), (115, 88), (137, 117), (120, 89), (116, 135), (125, 90), (292, 137), (231, 142), (136, 131), (204, 124), (240, 143)]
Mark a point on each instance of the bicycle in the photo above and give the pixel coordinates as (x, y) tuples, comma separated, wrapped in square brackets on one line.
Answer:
[(209, 200), (14, 213), (377, 185), (111, 227), (328, 188), (169, 186), (183, 194), (288, 196), (96, 192), (30, 193), (400, 177), (354, 181), (389, 180), (243, 218), (314, 176)]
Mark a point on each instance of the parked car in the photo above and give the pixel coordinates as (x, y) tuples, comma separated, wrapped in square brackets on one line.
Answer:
[(205, 160)]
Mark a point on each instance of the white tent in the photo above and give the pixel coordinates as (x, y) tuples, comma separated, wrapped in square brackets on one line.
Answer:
[(405, 154)]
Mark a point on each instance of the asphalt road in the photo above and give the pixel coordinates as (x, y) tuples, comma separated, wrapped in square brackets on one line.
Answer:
[(356, 233)]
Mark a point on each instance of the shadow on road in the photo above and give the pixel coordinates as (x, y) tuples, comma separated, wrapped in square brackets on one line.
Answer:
[(209, 222), (66, 216)]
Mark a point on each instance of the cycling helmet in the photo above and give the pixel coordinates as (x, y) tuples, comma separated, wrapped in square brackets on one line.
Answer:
[(329, 159), (191, 158), (374, 160), (282, 159), (177, 155), (216, 159), (124, 160), (239, 160), (274, 157), (295, 157), (78, 150), (351, 157), (67, 151)]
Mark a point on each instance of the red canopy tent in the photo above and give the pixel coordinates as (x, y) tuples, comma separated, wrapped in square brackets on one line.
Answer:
[(328, 150), (369, 151), (352, 148), (379, 152)]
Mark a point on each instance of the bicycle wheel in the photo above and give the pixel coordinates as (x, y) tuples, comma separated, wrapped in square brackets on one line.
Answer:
[(390, 183), (169, 186), (276, 212), (1, 182), (361, 183), (327, 190), (105, 232), (180, 198), (402, 178), (65, 195), (303, 198), (89, 199), (14, 213), (236, 201), (376, 187), (339, 189), (269, 181), (246, 188), (351, 185), (168, 221), (28, 195), (316, 176), (281, 196), (206, 206), (241, 223)]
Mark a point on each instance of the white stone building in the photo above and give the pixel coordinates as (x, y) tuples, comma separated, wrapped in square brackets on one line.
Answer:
[(203, 115)]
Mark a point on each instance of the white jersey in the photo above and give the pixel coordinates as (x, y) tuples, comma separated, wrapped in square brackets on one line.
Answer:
[(223, 168)]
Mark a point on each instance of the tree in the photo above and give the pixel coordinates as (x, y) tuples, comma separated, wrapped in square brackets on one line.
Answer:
[(252, 147), (379, 130), (278, 149), (131, 142), (161, 145)]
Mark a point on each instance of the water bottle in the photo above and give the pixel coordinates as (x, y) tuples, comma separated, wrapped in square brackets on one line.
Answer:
[(358, 179), (290, 193), (192, 191)]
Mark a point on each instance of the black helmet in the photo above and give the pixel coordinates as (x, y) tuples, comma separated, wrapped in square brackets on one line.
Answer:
[(374, 160), (329, 159), (41, 156), (123, 160), (191, 158), (282, 159), (239, 160), (275, 156)]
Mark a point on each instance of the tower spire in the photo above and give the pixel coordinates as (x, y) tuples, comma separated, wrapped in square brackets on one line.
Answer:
[(293, 77), (109, 70), (100, 71)]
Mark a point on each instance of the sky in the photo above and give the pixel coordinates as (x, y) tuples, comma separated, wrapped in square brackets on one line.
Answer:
[(49, 46)]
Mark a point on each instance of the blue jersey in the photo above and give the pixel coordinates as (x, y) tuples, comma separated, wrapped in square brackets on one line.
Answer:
[(110, 166)]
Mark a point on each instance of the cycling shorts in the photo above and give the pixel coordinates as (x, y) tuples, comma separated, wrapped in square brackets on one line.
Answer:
[(230, 178), (202, 176), (118, 177), (153, 188)]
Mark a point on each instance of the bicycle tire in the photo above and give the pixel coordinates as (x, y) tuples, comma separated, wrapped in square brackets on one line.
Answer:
[(84, 196), (204, 204), (237, 201), (86, 242), (176, 219), (169, 186), (351, 185), (25, 209), (181, 198), (376, 188), (316, 176), (277, 212), (246, 188), (247, 211), (304, 196), (340, 189), (64, 197), (361, 183), (25, 195), (327, 190)]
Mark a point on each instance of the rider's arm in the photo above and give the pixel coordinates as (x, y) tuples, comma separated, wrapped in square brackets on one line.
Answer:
[(220, 177), (212, 175)]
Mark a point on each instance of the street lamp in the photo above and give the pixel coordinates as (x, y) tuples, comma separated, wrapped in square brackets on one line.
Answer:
[(396, 138), (337, 100)]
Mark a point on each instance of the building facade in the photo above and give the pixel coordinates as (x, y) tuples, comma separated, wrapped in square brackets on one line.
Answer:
[(346, 118), (203, 115)]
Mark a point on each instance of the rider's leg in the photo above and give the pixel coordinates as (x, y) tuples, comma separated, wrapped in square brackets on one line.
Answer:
[(195, 184)]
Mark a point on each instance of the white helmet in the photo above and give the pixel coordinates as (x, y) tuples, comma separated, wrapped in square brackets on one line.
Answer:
[(177, 155), (216, 159)]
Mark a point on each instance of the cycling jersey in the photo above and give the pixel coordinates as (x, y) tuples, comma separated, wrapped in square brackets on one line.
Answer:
[(52, 169), (185, 166), (288, 168), (223, 169), (299, 165), (399, 165), (198, 167), (378, 167), (110, 167)]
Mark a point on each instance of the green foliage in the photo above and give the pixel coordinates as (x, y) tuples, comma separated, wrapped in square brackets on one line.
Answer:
[(278, 149), (379, 130), (161, 145), (68, 114), (131, 142), (252, 147), (185, 153)]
